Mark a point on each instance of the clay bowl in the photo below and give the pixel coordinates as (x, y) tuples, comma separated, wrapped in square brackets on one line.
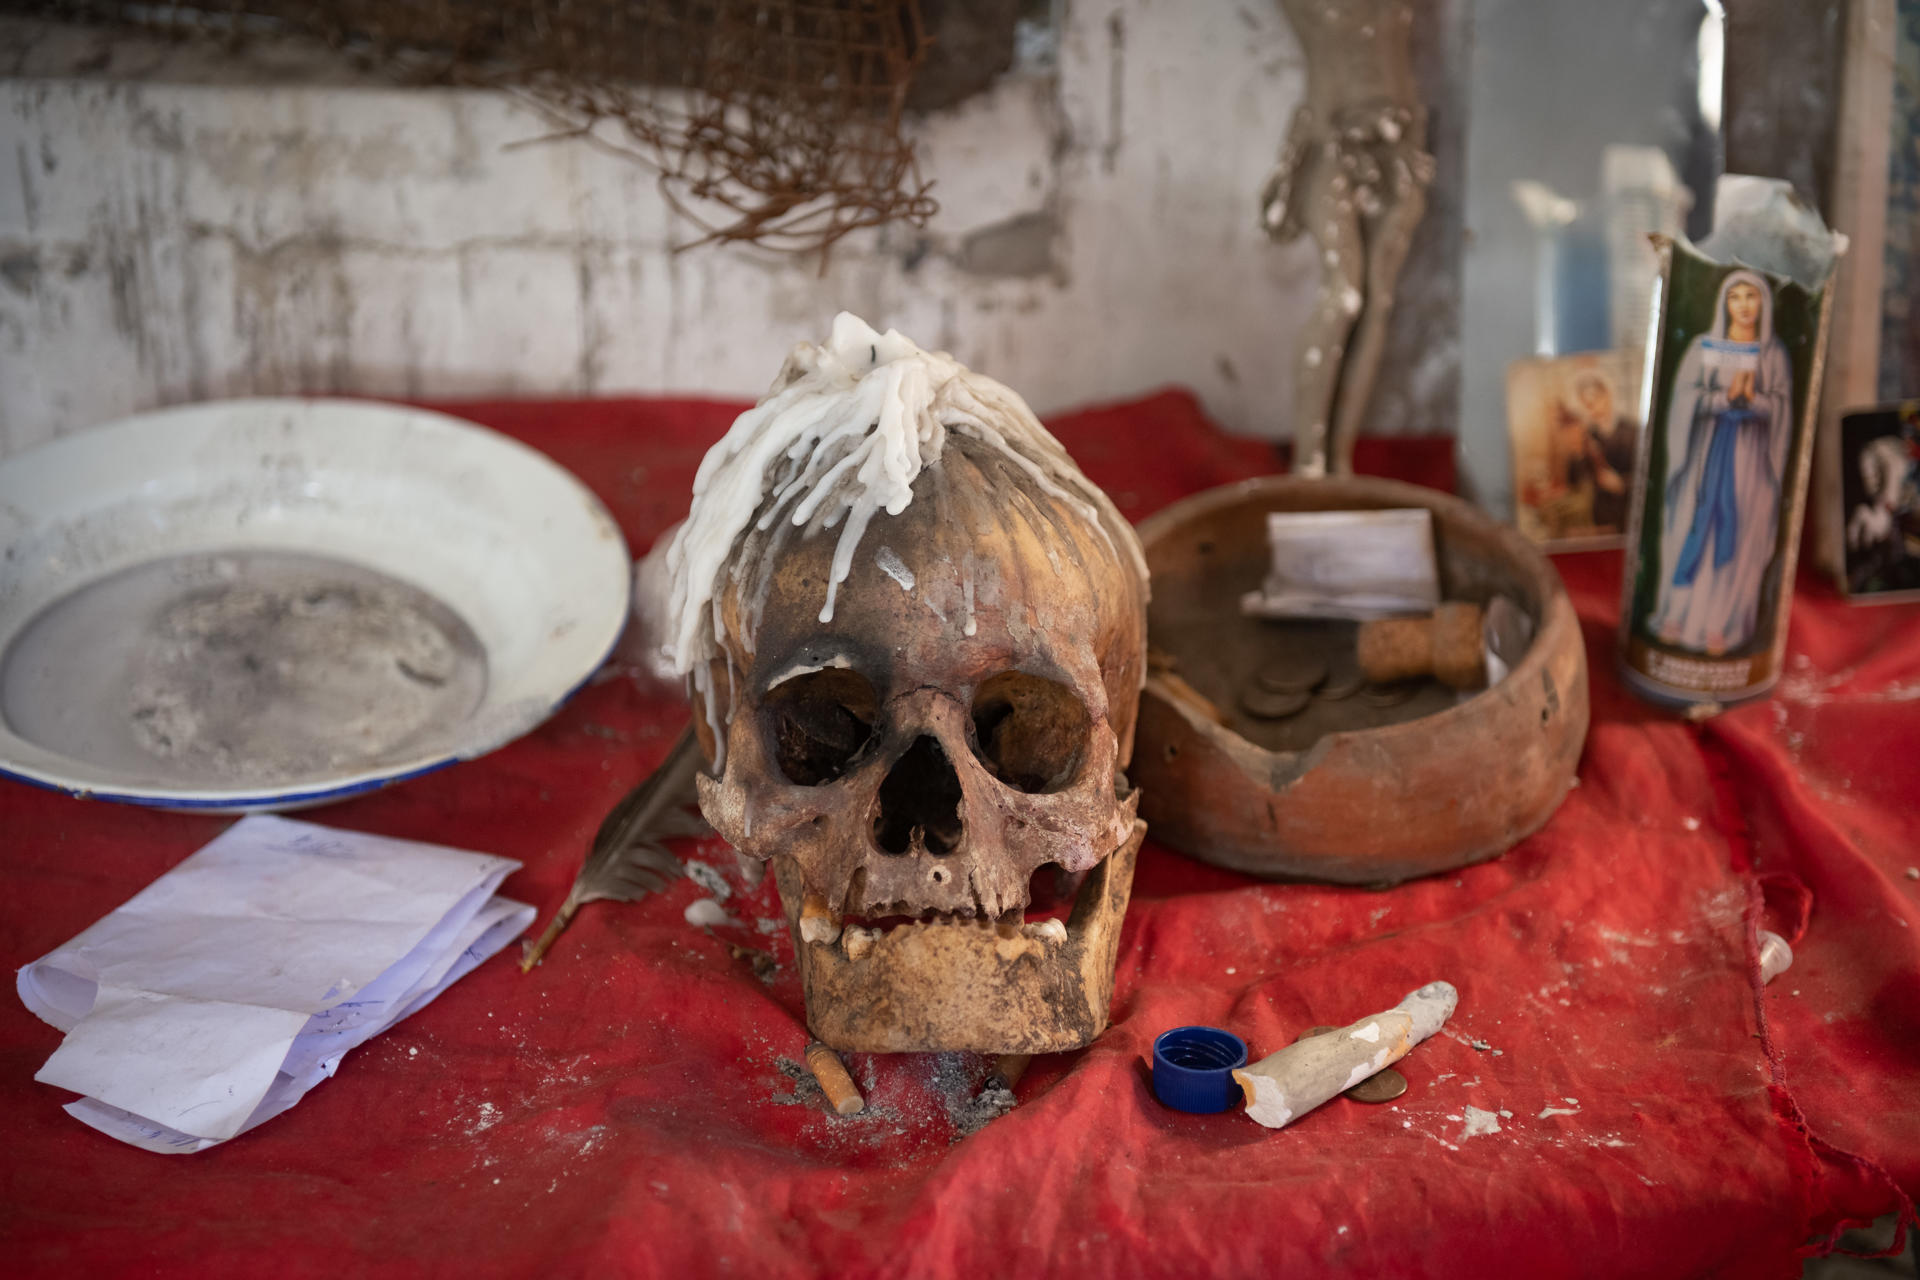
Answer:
[(1351, 790)]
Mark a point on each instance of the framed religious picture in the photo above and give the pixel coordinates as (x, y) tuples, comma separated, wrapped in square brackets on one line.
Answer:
[(1571, 423), (1880, 498)]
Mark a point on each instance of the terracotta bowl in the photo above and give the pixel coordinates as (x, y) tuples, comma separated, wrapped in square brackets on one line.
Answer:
[(1358, 789)]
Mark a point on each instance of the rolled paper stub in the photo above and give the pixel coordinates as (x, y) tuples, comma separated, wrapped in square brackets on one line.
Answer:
[(1776, 957), (1193, 1069), (1283, 1086)]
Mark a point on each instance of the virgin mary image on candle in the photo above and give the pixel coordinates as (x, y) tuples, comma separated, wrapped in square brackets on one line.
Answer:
[(1729, 425)]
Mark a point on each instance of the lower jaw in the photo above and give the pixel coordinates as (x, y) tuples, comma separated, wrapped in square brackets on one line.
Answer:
[(967, 985)]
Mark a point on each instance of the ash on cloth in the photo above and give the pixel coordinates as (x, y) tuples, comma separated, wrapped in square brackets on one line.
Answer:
[(1720, 482)]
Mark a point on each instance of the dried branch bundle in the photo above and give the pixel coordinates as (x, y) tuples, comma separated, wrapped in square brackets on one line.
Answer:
[(776, 122)]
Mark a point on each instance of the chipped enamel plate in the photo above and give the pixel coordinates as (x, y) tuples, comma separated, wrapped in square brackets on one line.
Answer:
[(260, 604)]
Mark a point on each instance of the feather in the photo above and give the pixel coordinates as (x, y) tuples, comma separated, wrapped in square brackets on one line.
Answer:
[(629, 857)]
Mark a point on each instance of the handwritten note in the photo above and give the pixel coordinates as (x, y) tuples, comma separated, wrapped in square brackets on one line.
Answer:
[(233, 984)]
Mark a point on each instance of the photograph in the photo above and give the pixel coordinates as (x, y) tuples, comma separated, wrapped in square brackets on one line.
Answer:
[(1880, 491), (1573, 432)]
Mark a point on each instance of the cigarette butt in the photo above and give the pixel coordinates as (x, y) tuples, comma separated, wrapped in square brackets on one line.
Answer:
[(1284, 1086), (842, 1094), (1010, 1067)]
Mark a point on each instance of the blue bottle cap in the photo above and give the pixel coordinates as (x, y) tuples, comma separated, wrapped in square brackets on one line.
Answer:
[(1193, 1068)]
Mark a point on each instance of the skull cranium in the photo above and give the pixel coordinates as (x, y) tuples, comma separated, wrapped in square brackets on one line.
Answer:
[(949, 731)]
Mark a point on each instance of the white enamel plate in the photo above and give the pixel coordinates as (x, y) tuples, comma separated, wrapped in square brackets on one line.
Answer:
[(256, 604)]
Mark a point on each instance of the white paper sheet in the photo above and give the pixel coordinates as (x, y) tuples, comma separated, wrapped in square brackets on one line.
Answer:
[(220, 994), (1348, 564)]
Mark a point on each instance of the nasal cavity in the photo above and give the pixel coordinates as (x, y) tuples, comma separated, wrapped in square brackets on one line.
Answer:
[(920, 802)]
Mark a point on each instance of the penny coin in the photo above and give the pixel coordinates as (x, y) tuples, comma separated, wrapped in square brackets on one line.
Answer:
[(1343, 686), (1382, 1086), (1295, 673), (1387, 695), (1265, 704)]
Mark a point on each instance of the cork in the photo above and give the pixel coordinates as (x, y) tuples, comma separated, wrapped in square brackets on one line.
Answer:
[(1446, 645)]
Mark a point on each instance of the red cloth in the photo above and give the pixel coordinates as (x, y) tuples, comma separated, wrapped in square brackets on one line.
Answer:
[(629, 1107)]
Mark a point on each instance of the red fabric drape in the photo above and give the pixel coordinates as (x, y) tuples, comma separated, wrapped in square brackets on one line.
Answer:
[(630, 1107)]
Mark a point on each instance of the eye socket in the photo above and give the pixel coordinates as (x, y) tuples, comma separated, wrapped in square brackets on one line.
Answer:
[(1029, 731), (820, 723)]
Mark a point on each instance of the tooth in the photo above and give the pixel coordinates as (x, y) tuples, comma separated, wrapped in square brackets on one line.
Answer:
[(1048, 931), (858, 941), (818, 923)]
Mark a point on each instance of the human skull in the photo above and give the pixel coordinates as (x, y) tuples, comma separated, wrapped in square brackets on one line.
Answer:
[(948, 730)]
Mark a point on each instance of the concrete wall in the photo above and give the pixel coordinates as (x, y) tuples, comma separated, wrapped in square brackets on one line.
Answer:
[(164, 241), (1553, 83)]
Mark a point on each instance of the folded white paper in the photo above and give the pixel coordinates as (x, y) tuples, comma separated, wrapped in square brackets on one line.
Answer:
[(220, 994), (1347, 564)]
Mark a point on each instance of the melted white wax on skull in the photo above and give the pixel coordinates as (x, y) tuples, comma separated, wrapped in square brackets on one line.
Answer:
[(846, 430), (894, 567)]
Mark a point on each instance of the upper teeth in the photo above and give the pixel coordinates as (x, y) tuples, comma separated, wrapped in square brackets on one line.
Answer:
[(818, 921), (819, 928)]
